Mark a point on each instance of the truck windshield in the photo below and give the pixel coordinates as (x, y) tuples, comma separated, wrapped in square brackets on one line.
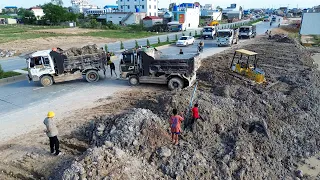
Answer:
[(183, 38), (224, 34), (207, 29), (244, 30)]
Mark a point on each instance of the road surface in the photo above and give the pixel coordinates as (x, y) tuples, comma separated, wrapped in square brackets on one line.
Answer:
[(23, 105)]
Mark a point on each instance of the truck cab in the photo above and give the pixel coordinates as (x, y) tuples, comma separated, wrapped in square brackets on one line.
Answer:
[(149, 66), (247, 32), (226, 37), (208, 32)]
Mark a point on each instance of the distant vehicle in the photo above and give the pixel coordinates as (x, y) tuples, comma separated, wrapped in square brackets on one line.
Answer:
[(185, 41), (208, 32), (247, 31), (258, 17), (227, 37), (274, 19)]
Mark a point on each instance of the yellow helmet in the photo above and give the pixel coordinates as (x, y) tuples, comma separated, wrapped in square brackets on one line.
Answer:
[(50, 114)]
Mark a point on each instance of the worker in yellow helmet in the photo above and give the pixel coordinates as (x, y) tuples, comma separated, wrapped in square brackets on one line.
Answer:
[(52, 133)]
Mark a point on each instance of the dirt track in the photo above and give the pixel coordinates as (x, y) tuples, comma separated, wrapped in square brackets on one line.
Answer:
[(250, 131)]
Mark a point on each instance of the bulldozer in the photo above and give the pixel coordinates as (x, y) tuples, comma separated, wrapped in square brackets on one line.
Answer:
[(215, 22), (240, 64)]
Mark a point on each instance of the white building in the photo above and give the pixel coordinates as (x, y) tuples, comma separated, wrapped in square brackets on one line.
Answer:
[(38, 12), (208, 7), (123, 18), (150, 7), (80, 6)]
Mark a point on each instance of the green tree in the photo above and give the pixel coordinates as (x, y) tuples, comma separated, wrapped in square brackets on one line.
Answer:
[(137, 45), (148, 43), (94, 23), (159, 40), (168, 39), (106, 47), (121, 45), (176, 36), (195, 33), (57, 2), (1, 72), (56, 14), (190, 34), (27, 16)]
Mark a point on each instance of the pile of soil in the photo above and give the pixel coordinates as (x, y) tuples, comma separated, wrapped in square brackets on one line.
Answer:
[(282, 38), (248, 131), (89, 49)]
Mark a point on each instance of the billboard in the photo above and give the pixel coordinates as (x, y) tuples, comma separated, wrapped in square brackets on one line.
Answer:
[(310, 24), (181, 18)]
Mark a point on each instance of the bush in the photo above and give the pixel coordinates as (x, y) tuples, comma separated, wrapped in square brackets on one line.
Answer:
[(195, 33), (137, 45), (106, 48), (190, 34), (176, 37), (148, 43), (1, 72), (159, 40), (121, 45), (168, 39), (136, 27)]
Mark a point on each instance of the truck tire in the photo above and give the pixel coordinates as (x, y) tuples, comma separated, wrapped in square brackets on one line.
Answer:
[(92, 76), (46, 80), (133, 80), (175, 83)]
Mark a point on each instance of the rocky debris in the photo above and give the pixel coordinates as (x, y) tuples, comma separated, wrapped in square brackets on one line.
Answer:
[(7, 53), (250, 131), (282, 38), (89, 49), (299, 173)]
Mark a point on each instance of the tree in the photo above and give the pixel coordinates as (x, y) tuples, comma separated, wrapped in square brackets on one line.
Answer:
[(190, 34), (159, 40), (56, 14), (195, 33), (27, 16), (57, 2), (121, 45), (1, 71), (137, 45), (106, 47), (148, 43)]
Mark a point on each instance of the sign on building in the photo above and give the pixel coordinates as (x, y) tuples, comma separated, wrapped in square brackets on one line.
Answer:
[(181, 18)]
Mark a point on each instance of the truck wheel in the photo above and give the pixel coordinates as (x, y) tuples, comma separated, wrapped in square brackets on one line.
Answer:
[(133, 80), (92, 76), (175, 83), (46, 80)]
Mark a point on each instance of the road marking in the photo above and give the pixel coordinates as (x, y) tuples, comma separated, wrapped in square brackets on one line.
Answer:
[(38, 88)]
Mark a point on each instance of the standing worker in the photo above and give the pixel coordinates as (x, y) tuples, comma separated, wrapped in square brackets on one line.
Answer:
[(175, 125), (112, 66), (52, 133), (181, 52)]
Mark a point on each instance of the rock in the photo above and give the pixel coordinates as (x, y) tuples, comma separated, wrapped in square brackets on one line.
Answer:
[(108, 144), (130, 128), (113, 129), (164, 152), (219, 128), (118, 152), (135, 142)]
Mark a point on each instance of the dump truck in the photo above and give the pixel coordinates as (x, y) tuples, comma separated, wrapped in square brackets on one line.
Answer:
[(247, 31), (208, 32), (53, 66), (148, 65), (227, 37)]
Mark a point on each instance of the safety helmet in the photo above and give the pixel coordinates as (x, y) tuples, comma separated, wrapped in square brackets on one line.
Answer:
[(50, 114)]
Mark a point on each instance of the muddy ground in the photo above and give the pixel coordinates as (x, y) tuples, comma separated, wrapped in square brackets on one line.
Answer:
[(248, 131)]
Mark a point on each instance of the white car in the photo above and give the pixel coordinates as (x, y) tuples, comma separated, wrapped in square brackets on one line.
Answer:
[(185, 41)]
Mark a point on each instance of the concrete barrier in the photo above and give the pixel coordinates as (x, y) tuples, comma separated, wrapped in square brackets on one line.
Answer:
[(13, 79)]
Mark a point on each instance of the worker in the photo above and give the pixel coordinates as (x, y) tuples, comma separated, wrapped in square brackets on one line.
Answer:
[(278, 25), (267, 32), (200, 46), (112, 66), (52, 133), (271, 23), (195, 113), (175, 125), (270, 34), (181, 52)]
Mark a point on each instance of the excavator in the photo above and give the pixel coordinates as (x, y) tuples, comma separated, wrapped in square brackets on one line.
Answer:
[(215, 22)]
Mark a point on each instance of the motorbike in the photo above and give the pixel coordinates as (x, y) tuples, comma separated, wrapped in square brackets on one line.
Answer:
[(200, 48)]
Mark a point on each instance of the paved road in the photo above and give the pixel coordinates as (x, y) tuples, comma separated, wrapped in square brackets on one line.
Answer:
[(22, 104)]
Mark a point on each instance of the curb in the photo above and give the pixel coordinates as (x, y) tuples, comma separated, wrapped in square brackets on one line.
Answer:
[(13, 79)]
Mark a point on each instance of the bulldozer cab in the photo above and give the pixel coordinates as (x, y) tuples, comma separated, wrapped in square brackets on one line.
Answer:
[(244, 62)]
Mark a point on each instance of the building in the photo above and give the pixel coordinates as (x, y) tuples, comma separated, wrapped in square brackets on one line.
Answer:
[(81, 6), (111, 8), (310, 24), (233, 12), (150, 7), (38, 12), (208, 7), (188, 18), (213, 14), (123, 18), (149, 21), (11, 9)]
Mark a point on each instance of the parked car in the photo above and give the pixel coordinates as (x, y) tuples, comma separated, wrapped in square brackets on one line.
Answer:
[(185, 41)]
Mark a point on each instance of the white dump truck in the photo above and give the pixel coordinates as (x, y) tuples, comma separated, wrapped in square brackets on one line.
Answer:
[(53, 66), (227, 37), (208, 32)]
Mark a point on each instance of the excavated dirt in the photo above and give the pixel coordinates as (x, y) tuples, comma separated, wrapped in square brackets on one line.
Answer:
[(89, 49), (248, 131)]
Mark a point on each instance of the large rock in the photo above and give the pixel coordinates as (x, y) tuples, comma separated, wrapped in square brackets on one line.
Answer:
[(164, 152)]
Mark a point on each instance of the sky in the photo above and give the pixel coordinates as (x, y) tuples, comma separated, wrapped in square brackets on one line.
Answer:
[(164, 3)]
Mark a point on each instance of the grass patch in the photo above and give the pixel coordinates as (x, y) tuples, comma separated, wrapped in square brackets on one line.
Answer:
[(25, 69), (162, 44), (9, 74)]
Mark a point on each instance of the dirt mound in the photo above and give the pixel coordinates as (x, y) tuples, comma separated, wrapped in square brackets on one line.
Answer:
[(282, 38), (89, 49), (248, 131)]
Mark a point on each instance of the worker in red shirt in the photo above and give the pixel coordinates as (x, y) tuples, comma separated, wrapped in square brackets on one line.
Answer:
[(175, 125), (195, 113)]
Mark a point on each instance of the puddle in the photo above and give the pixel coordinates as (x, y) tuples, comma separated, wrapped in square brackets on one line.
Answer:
[(311, 166)]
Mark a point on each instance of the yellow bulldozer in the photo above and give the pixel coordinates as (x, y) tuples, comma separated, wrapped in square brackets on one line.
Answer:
[(241, 65)]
